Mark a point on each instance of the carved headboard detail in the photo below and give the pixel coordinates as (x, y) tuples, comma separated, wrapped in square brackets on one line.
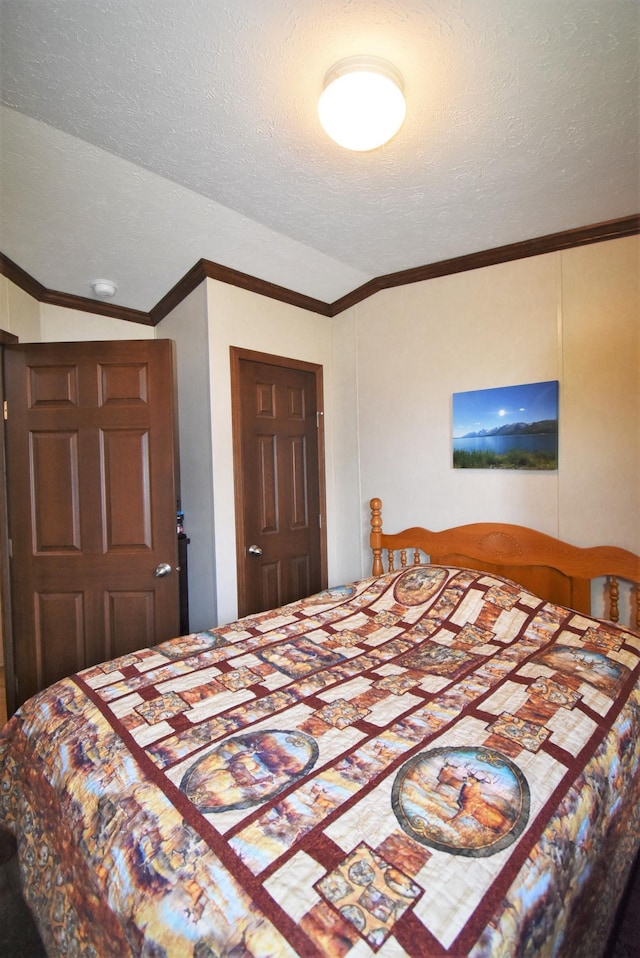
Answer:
[(552, 569), (499, 544)]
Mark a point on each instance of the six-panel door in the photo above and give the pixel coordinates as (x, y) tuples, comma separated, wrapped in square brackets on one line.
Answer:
[(280, 482), (92, 499)]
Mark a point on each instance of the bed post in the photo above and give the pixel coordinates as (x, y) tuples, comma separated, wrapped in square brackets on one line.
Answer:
[(376, 534), (614, 596)]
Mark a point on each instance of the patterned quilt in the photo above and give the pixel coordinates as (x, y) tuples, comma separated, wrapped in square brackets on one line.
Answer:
[(430, 763)]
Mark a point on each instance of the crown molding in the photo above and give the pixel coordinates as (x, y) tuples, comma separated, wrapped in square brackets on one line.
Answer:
[(205, 269), (31, 286), (22, 279), (553, 243), (98, 307)]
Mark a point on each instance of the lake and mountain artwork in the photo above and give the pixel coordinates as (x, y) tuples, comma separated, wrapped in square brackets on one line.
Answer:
[(509, 427)]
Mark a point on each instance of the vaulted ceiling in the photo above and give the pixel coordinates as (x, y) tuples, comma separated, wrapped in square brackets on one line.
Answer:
[(140, 137)]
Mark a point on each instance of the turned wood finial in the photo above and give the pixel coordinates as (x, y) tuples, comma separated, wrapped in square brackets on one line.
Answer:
[(376, 532)]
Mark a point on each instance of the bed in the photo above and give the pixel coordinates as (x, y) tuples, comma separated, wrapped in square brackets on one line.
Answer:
[(438, 760)]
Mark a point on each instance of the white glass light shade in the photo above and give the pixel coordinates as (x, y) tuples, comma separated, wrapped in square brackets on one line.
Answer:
[(362, 105)]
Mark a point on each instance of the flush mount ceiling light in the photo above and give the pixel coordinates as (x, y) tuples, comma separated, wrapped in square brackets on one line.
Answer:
[(104, 288), (362, 104)]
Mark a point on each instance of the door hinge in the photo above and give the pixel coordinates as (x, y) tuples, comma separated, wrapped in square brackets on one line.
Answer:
[(318, 414), (320, 520), (10, 547), (5, 409)]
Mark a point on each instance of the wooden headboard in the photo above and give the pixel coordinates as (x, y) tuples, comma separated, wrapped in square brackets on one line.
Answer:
[(554, 570)]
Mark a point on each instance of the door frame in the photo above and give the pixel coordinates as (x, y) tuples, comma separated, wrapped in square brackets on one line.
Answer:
[(237, 354), (6, 622)]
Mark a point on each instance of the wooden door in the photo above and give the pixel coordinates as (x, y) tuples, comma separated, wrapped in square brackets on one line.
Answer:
[(279, 480), (7, 706), (92, 504)]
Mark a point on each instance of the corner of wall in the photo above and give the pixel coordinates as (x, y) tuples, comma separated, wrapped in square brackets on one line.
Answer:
[(187, 326), (21, 314)]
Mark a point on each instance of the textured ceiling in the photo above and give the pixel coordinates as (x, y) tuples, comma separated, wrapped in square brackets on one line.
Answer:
[(139, 137)]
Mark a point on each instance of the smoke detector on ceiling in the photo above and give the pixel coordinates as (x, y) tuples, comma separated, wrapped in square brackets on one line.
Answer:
[(104, 288)]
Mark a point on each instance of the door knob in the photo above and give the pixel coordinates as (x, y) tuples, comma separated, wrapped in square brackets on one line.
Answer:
[(254, 551), (162, 570)]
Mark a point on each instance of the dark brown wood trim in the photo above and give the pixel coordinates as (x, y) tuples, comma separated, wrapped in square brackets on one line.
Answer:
[(7, 338), (31, 286), (261, 286), (177, 293), (203, 269), (18, 276), (6, 622), (97, 307), (236, 354), (613, 229), (206, 269)]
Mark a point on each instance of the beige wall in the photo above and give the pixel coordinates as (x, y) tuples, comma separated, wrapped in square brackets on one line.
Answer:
[(600, 469), (572, 316), (419, 344), (19, 312), (34, 322), (391, 365), (240, 318), (203, 333), (61, 325)]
